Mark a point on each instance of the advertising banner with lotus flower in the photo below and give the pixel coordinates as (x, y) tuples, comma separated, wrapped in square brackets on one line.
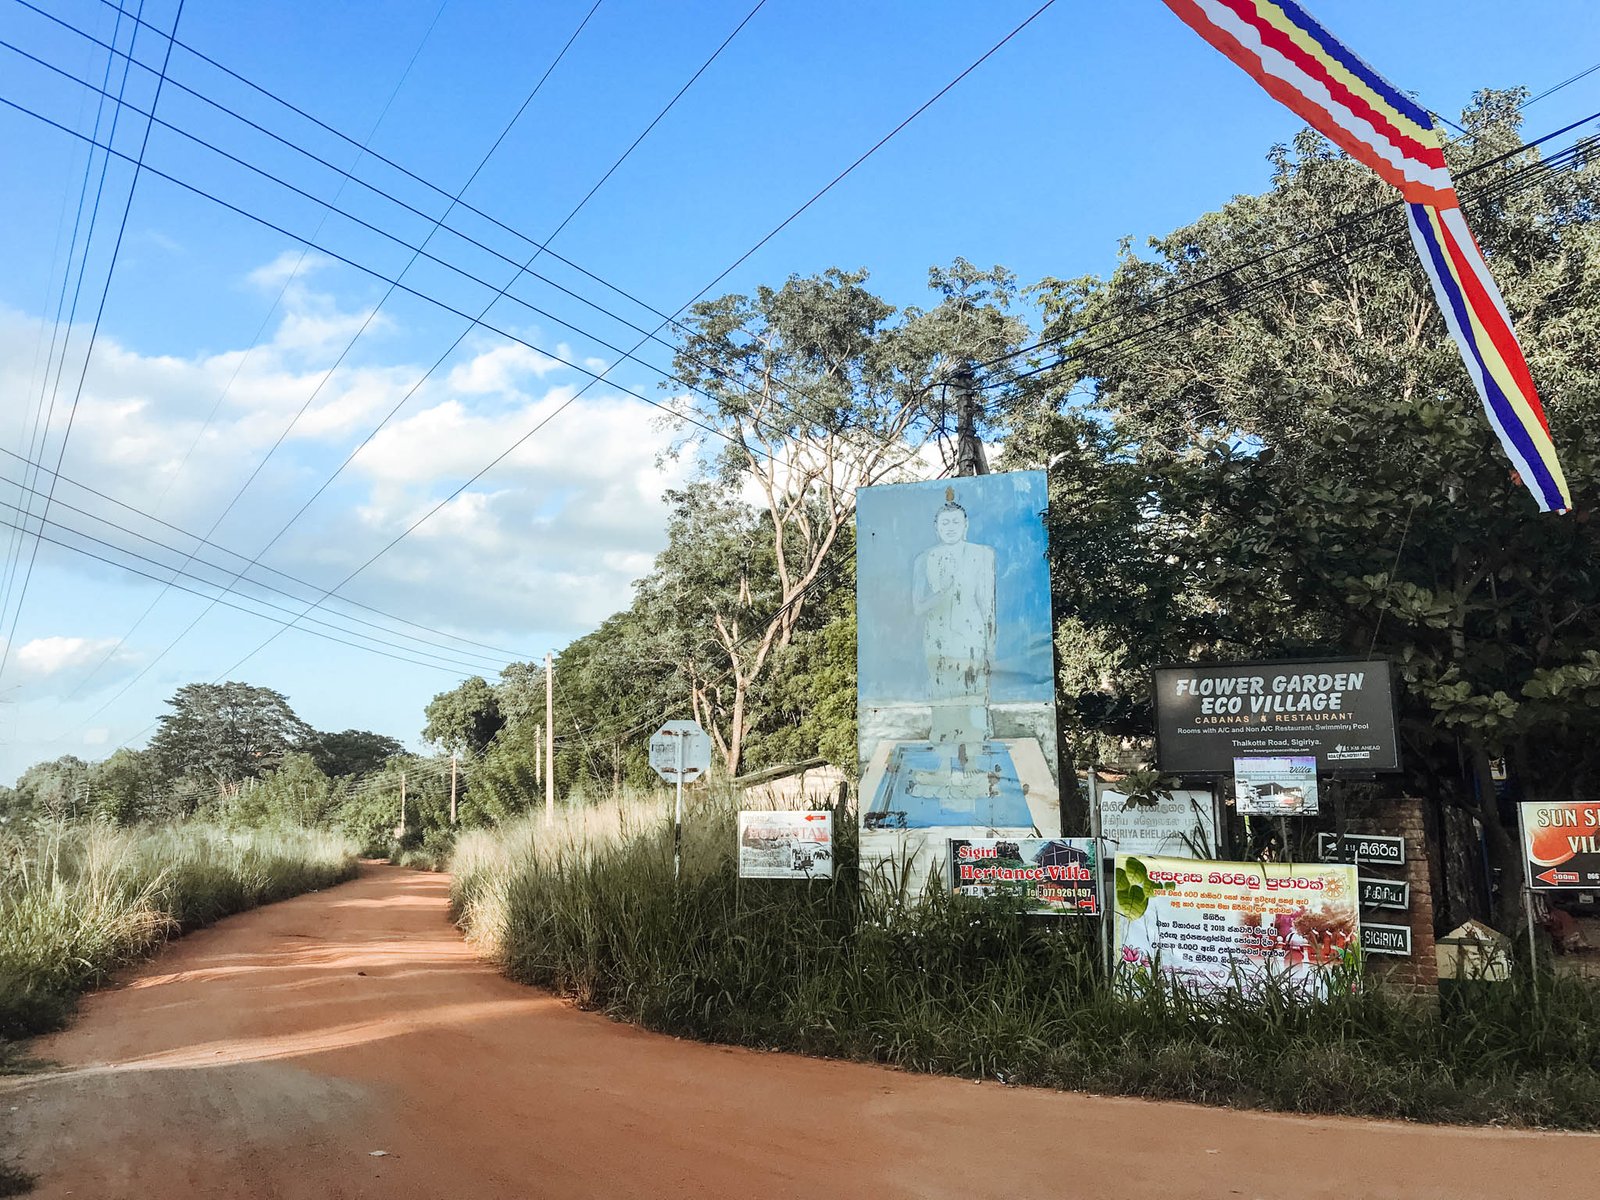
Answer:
[(1215, 926)]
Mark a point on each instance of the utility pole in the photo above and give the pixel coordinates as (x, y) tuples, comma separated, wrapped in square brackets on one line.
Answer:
[(452, 787), (970, 458), (402, 832), (549, 738)]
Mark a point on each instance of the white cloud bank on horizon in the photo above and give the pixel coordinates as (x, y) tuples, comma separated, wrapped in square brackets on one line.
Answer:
[(548, 541)]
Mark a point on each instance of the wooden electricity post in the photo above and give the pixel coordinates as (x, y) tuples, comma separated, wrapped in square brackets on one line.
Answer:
[(549, 739), (970, 458)]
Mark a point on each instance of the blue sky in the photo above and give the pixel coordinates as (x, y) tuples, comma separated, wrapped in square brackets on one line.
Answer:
[(1097, 122)]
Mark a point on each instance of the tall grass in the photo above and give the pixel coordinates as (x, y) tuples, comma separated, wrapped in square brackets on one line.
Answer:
[(77, 901), (840, 968)]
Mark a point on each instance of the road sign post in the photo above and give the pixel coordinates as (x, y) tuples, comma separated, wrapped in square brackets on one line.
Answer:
[(680, 752)]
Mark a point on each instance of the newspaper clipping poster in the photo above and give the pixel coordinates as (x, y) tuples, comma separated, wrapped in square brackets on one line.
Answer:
[(1216, 926), (955, 668), (1051, 876), (785, 845), (1276, 787)]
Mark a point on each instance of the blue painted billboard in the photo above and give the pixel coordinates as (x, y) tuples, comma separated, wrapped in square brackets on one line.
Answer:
[(954, 665), (900, 552)]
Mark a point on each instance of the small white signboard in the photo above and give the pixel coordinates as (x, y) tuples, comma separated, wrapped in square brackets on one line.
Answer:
[(1180, 824), (786, 845), (680, 746), (1276, 787)]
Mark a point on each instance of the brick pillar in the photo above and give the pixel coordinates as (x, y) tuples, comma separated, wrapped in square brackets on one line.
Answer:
[(1420, 972)]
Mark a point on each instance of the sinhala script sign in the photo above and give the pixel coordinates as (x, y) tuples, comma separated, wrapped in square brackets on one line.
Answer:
[(1339, 712)]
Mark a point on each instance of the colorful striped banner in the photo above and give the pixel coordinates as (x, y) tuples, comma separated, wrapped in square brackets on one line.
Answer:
[(1306, 68)]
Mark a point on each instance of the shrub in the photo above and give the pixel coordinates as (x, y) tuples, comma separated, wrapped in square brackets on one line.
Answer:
[(78, 901), (840, 967)]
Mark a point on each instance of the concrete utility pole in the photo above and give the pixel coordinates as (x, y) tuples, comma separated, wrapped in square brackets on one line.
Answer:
[(402, 831), (452, 787), (549, 738), (970, 457)]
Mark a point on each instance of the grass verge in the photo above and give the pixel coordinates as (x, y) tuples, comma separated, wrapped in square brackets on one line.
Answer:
[(588, 908), (78, 901)]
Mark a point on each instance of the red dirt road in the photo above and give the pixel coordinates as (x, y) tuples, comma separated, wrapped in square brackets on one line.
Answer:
[(269, 1056)]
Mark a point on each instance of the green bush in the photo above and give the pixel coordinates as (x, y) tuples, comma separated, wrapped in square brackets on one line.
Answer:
[(839, 968)]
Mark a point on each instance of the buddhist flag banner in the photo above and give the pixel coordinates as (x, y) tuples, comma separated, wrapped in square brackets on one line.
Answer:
[(1310, 71)]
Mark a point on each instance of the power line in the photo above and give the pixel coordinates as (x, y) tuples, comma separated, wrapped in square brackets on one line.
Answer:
[(498, 651), (371, 316), (472, 322), (1524, 177), (498, 663), (595, 378), (625, 355), (331, 207), (40, 431), (389, 162), (94, 332), (254, 343), (39, 535), (42, 428), (1315, 235)]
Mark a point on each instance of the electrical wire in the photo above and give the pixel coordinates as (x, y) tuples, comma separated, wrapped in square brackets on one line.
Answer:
[(394, 285), (1354, 219), (460, 661), (652, 335), (1530, 175), (41, 536), (40, 427), (499, 652)]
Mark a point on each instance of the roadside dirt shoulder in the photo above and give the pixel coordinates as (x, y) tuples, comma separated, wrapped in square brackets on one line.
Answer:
[(274, 1054)]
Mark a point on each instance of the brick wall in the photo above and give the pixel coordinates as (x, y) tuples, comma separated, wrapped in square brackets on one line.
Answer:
[(1420, 972)]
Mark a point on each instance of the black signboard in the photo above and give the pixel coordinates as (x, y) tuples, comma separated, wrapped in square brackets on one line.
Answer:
[(1386, 939), (1385, 893), (1363, 848), (1340, 711)]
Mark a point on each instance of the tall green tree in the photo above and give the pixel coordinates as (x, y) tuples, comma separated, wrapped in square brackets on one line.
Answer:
[(58, 789), (124, 788), (818, 388), (353, 751), (1305, 468), (466, 718), (225, 732)]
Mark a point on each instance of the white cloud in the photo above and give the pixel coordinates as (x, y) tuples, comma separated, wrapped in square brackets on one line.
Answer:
[(290, 266), (54, 664), (50, 655), (550, 540), (504, 368)]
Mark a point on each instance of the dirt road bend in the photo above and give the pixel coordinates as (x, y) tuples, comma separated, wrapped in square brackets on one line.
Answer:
[(273, 1055)]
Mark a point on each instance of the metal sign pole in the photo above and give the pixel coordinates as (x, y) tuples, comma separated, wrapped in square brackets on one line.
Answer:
[(1527, 904), (677, 816), (1097, 830)]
